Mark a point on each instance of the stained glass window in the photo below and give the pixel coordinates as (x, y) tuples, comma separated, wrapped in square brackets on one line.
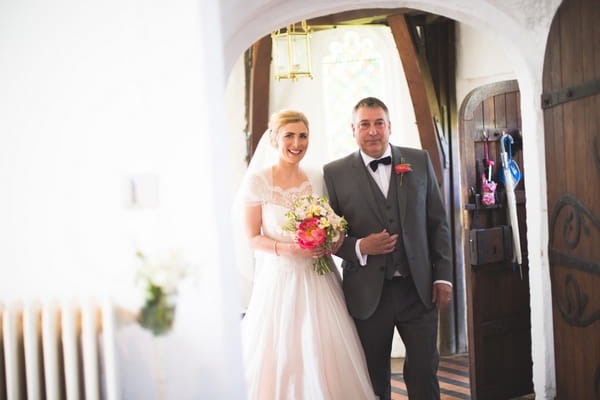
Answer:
[(353, 69)]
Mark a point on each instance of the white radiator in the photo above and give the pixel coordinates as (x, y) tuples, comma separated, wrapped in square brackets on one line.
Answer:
[(57, 352)]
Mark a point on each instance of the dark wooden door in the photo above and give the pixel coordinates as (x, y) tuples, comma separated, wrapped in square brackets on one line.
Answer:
[(497, 291), (571, 103)]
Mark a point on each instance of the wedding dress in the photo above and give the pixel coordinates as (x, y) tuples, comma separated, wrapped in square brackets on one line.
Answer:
[(299, 341)]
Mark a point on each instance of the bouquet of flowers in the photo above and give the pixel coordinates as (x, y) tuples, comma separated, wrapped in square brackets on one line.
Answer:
[(314, 223), (160, 282)]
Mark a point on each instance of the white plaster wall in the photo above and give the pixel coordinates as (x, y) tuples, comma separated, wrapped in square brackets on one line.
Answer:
[(480, 60), (91, 97), (91, 94), (235, 129)]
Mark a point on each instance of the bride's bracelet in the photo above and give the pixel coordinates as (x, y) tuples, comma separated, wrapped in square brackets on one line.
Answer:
[(276, 252)]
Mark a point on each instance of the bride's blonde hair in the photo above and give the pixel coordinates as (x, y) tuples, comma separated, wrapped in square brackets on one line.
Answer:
[(282, 118)]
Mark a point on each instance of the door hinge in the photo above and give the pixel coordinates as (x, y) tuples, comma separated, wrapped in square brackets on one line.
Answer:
[(575, 92)]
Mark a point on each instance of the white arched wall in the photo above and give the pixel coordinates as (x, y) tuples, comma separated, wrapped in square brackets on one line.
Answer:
[(521, 27), (93, 93)]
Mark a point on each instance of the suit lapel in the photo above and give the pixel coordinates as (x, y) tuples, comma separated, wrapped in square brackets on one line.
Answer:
[(365, 180), (395, 180)]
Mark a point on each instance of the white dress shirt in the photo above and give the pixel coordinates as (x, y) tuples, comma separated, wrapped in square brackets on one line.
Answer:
[(383, 173), (382, 179)]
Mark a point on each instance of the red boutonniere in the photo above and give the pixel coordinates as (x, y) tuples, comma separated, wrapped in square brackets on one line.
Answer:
[(401, 169)]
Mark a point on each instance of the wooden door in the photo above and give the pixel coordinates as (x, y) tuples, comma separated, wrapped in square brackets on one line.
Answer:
[(571, 103), (497, 293)]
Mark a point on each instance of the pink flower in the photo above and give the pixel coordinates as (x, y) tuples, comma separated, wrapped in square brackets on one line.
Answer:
[(401, 169), (309, 235)]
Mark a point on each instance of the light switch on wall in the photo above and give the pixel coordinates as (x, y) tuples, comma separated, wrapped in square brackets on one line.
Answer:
[(142, 190)]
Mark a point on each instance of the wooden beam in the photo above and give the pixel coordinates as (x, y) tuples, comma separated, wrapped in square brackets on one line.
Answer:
[(260, 79), (422, 93), (359, 17)]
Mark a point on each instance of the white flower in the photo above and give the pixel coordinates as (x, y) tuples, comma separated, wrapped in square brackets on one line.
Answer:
[(336, 235), (165, 274)]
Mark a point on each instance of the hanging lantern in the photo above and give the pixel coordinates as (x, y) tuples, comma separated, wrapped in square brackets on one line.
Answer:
[(291, 52)]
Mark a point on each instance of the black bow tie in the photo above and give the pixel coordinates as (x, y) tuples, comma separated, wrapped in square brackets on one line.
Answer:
[(375, 163)]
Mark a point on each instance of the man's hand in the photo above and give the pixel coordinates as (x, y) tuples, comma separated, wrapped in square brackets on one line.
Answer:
[(337, 244), (441, 294), (378, 243)]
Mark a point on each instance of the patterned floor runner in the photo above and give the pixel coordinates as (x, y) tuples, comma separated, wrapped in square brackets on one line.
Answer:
[(453, 374)]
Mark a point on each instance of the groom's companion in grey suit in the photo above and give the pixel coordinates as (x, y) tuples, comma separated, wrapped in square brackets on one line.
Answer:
[(397, 255)]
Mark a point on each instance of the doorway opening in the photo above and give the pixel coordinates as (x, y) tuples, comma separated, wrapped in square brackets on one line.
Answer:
[(432, 38)]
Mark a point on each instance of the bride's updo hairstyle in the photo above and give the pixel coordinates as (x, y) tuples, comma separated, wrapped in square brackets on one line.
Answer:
[(282, 118)]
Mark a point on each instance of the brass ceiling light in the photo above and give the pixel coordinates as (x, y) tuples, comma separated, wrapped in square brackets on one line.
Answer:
[(291, 52)]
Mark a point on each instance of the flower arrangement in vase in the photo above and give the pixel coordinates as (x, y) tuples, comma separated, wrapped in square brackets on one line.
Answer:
[(160, 282)]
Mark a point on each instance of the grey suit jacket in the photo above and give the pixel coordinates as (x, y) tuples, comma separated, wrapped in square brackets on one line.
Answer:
[(425, 231)]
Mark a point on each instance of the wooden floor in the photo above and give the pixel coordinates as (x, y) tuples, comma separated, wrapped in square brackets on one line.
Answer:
[(453, 374)]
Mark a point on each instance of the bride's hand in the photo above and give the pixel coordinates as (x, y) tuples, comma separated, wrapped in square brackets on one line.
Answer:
[(294, 250), (318, 252)]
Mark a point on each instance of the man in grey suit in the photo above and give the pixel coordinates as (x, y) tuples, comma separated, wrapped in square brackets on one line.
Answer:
[(397, 256)]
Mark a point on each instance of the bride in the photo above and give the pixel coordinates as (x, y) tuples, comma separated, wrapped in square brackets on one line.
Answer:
[(299, 340)]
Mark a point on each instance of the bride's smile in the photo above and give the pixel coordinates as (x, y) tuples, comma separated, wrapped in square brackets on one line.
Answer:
[(292, 142)]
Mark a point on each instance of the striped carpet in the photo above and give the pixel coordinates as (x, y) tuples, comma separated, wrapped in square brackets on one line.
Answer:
[(453, 374)]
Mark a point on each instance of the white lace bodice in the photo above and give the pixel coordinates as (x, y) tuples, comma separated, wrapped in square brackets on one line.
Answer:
[(287, 197), (276, 201)]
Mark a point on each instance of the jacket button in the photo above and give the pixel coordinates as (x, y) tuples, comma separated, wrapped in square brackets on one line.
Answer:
[(381, 268)]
